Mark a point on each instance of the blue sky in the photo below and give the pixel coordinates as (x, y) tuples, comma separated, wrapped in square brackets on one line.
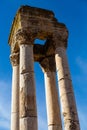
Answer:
[(74, 14)]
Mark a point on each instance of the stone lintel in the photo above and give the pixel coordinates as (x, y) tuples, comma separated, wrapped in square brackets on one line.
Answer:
[(26, 16), (48, 49), (42, 51), (45, 56), (41, 23), (36, 11), (48, 64), (31, 23), (39, 52), (60, 37)]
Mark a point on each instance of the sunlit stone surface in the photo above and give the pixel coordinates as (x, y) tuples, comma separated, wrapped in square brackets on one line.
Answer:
[(32, 23)]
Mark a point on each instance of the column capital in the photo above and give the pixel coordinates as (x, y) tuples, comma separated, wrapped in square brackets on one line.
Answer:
[(14, 58), (24, 36), (60, 38), (48, 64)]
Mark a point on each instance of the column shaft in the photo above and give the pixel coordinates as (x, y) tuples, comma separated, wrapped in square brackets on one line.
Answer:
[(52, 102), (67, 98), (28, 110), (15, 98), (53, 107)]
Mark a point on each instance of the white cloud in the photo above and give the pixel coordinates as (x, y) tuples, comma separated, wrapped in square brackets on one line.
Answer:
[(4, 110), (42, 124), (81, 78), (5, 124), (81, 83), (82, 63), (4, 105), (42, 115), (83, 119)]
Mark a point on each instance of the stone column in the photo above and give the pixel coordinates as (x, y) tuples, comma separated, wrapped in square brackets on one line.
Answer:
[(28, 110), (71, 121), (52, 103), (15, 92)]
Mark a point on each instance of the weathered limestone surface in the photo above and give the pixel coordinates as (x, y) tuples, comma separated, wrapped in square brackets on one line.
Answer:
[(39, 22), (69, 110), (15, 92), (52, 102), (54, 127), (29, 24), (28, 123), (28, 110)]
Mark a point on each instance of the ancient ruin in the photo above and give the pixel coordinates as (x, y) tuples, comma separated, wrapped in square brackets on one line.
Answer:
[(29, 24)]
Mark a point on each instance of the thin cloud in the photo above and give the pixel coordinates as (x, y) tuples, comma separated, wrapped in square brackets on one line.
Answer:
[(4, 106), (42, 123), (5, 124), (4, 111), (4, 117), (80, 78), (82, 63), (81, 83), (82, 118)]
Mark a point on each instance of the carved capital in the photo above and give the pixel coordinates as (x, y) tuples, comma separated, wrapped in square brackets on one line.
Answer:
[(48, 64), (60, 38), (14, 58), (24, 37)]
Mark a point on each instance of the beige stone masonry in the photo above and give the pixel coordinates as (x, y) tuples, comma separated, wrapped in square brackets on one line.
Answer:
[(67, 98), (28, 110), (52, 101), (32, 23), (15, 92)]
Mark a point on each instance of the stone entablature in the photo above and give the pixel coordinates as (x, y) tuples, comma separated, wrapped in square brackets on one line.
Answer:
[(40, 23)]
